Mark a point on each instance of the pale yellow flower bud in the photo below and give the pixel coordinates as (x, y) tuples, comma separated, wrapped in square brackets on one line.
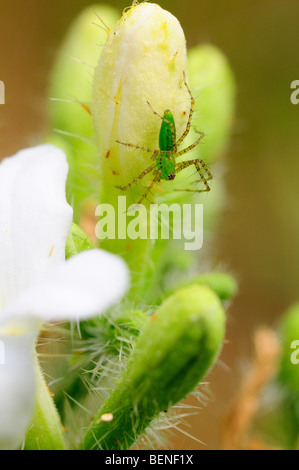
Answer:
[(143, 60)]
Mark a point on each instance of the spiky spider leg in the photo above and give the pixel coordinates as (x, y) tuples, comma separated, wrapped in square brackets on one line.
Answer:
[(197, 162), (137, 178), (192, 146), (136, 146), (155, 153), (155, 180), (188, 127)]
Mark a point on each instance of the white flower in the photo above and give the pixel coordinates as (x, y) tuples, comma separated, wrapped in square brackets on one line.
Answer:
[(36, 284)]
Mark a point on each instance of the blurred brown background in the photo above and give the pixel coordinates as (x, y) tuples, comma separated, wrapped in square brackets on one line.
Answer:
[(258, 236)]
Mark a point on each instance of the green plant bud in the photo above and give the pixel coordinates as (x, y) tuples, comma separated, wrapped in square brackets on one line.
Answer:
[(72, 70), (213, 85), (71, 83), (223, 284), (173, 353)]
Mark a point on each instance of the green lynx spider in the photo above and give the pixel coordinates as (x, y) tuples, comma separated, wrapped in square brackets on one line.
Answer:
[(165, 166)]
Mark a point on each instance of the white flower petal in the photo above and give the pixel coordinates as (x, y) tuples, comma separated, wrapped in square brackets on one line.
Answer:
[(16, 388), (83, 286), (35, 218)]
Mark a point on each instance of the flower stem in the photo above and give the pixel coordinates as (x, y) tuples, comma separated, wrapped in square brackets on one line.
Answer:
[(45, 431)]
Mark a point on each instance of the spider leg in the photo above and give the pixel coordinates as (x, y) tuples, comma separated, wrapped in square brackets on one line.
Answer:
[(136, 146), (137, 178), (155, 154), (192, 146), (198, 163), (153, 182), (187, 130), (204, 166)]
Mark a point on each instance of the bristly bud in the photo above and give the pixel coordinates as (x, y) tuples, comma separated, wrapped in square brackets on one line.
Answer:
[(173, 353)]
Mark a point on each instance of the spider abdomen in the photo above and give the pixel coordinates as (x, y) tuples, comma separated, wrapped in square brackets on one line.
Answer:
[(165, 164), (167, 136)]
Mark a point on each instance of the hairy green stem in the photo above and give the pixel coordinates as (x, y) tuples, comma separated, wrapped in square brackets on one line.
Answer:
[(45, 431)]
